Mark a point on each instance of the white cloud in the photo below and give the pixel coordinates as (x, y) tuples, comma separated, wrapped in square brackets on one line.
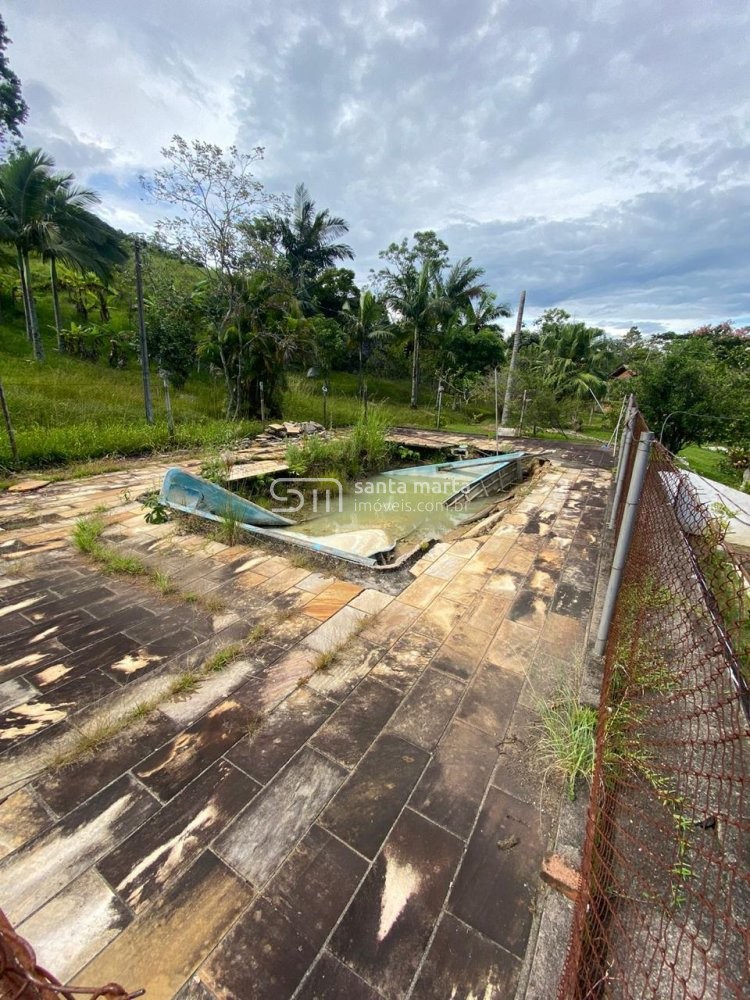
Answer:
[(594, 152)]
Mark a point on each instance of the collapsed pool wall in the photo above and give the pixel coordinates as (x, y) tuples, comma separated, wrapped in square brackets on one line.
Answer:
[(190, 494)]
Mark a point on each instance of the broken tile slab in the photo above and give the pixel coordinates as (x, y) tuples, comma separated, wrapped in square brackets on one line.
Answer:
[(358, 720), (140, 867), (160, 949), (387, 928), (332, 599), (496, 886), (275, 681), (65, 788), (314, 885), (28, 485), (169, 769), (407, 658), (22, 817), (259, 839), (329, 979), (69, 930), (451, 789), (336, 631), (265, 750), (42, 868), (265, 955), (463, 964), (427, 709), (371, 601), (440, 618), (491, 699), (364, 810)]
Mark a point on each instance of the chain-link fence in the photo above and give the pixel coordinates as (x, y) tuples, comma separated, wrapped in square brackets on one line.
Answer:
[(664, 908)]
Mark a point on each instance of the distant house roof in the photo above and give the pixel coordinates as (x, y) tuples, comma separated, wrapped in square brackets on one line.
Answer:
[(622, 372)]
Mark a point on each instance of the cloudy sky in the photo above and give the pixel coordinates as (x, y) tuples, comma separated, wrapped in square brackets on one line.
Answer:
[(594, 152)]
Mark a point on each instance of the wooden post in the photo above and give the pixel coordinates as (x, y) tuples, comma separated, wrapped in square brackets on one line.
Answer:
[(262, 407), (439, 402), (325, 404), (497, 445), (167, 402), (513, 361), (142, 332), (9, 426)]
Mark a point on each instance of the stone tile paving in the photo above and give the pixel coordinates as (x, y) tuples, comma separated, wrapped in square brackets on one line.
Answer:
[(368, 830)]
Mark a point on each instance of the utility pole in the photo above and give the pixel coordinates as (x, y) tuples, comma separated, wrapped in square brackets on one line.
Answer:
[(9, 427), (142, 331), (513, 361)]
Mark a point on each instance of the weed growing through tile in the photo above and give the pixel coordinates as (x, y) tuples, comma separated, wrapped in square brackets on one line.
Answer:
[(567, 740)]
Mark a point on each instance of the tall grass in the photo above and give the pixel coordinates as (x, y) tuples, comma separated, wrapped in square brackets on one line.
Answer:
[(364, 451)]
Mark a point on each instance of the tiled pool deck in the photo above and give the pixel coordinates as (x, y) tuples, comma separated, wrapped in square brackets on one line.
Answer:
[(369, 829)]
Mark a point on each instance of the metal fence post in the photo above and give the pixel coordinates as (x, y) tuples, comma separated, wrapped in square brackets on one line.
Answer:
[(623, 540), (627, 443)]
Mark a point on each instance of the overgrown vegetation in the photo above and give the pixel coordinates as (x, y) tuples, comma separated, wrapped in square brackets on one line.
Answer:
[(567, 740), (362, 451)]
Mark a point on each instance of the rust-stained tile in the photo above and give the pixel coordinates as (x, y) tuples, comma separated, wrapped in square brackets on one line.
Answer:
[(261, 837), (169, 841), (387, 928), (332, 599), (39, 870), (451, 789), (314, 583), (22, 817), (169, 769), (440, 618), (424, 590), (163, 946), (249, 580), (487, 612), (464, 965), (517, 560), (74, 926), (282, 581), (279, 736), (270, 567)]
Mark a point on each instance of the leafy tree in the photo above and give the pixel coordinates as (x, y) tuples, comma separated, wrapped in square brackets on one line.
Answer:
[(333, 291), (306, 239), (13, 109), (173, 315), (697, 388), (411, 295)]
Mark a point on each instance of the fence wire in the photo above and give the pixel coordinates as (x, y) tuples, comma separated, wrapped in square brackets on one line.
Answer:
[(664, 910)]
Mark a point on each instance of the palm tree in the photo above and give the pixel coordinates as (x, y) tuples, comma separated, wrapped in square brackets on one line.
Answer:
[(78, 238), (412, 296), (44, 213), (306, 238), (24, 187), (483, 313), (368, 324)]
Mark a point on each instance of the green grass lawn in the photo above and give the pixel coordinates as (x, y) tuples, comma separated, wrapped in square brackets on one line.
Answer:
[(67, 410), (712, 464)]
